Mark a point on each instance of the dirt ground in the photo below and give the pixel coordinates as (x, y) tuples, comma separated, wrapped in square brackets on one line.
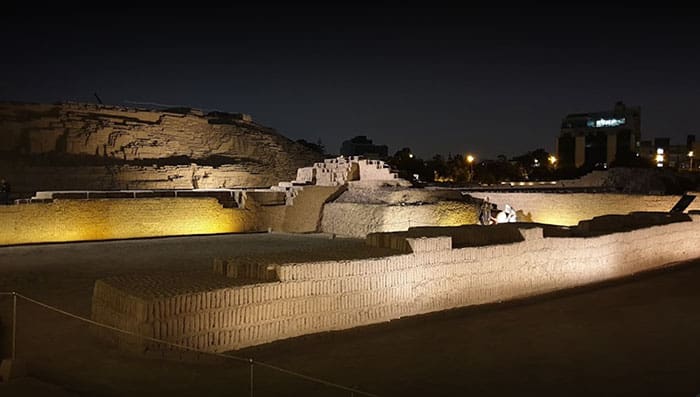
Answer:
[(633, 337)]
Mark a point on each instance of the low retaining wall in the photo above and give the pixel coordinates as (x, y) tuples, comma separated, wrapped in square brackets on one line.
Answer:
[(358, 220), (121, 218), (334, 295), (102, 219), (570, 208)]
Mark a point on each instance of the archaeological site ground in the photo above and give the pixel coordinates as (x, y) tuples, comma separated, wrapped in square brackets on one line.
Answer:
[(177, 252)]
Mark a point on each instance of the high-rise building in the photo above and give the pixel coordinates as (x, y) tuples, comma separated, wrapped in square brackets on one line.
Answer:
[(599, 138)]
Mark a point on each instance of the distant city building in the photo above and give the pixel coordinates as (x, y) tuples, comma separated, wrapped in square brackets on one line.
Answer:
[(361, 146), (599, 138), (661, 152)]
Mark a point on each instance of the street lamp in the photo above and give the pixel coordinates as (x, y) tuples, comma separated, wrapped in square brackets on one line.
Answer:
[(470, 161), (552, 160), (690, 155)]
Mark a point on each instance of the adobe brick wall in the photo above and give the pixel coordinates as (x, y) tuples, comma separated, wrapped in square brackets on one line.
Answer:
[(45, 146), (568, 209), (333, 295), (104, 219), (359, 219), (101, 219)]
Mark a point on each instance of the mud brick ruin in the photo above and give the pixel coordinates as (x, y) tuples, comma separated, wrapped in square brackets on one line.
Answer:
[(71, 146), (102, 172), (427, 274)]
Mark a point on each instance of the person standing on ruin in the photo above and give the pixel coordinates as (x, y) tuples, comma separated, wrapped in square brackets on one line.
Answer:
[(485, 212)]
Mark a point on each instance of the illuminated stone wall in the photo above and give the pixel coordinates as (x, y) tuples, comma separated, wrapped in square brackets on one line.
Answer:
[(359, 219), (568, 209), (339, 170), (85, 146), (102, 219), (30, 179), (210, 315)]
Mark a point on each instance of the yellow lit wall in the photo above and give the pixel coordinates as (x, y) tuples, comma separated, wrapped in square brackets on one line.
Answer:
[(569, 209), (101, 219), (357, 219)]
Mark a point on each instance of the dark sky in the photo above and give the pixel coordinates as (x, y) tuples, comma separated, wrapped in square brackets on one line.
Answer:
[(438, 80)]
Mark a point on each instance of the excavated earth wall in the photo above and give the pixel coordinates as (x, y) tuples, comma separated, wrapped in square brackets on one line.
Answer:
[(84, 146)]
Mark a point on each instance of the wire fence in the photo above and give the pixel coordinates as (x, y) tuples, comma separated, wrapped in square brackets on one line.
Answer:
[(48, 341)]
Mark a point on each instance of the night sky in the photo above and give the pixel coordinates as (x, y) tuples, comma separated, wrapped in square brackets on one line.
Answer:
[(438, 80)]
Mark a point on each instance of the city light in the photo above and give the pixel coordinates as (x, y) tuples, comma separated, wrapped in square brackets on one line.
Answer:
[(659, 157), (552, 160), (602, 123), (470, 159)]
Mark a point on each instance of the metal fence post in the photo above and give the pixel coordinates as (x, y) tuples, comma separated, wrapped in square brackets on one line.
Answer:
[(250, 360), (14, 324)]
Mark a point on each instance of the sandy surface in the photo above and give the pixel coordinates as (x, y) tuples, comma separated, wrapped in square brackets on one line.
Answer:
[(635, 337), (65, 273)]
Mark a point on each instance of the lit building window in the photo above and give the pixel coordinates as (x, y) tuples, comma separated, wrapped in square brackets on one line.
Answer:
[(601, 123), (659, 157)]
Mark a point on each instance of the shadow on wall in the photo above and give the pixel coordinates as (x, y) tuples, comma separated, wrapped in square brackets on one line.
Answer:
[(508, 233), (462, 236), (4, 334)]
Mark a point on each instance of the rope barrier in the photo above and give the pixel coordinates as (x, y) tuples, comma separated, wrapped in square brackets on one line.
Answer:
[(109, 327), (337, 386), (175, 345)]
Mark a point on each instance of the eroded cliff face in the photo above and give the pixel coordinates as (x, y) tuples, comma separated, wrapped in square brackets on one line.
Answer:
[(87, 146)]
